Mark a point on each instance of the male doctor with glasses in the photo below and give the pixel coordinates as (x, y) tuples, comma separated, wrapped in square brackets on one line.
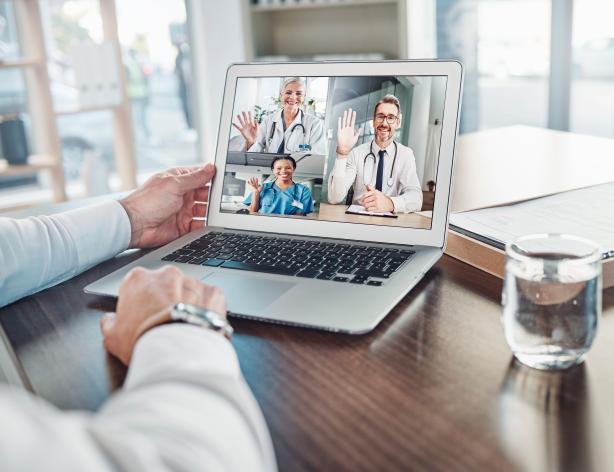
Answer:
[(382, 171)]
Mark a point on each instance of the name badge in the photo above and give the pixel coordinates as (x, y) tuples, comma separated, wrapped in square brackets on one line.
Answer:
[(304, 147), (297, 204)]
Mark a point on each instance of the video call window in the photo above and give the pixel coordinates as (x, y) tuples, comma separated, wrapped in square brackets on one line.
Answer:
[(350, 149)]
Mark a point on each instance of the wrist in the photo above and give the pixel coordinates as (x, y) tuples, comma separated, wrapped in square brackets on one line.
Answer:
[(136, 227), (391, 204), (342, 153)]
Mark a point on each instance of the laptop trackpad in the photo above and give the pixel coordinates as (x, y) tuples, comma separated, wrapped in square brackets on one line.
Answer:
[(245, 294)]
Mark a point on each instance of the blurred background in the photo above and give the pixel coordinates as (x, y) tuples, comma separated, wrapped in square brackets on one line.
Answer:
[(95, 95)]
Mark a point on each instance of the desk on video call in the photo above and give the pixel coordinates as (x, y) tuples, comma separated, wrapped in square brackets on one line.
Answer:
[(433, 387), (330, 212)]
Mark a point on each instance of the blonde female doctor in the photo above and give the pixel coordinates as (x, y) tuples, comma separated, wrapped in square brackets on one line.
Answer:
[(285, 131)]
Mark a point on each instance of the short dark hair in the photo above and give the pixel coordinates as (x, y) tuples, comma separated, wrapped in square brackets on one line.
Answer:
[(388, 99), (283, 158)]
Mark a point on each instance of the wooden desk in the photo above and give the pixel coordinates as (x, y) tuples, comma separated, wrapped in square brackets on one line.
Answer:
[(432, 388), (330, 212)]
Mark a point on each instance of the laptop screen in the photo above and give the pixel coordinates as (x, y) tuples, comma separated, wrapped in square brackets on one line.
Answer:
[(341, 149)]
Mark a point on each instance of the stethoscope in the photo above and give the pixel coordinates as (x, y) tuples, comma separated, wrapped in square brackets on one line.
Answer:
[(301, 147), (390, 180)]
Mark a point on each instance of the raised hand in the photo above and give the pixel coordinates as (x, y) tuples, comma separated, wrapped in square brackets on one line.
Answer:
[(347, 134), (248, 127), (254, 184)]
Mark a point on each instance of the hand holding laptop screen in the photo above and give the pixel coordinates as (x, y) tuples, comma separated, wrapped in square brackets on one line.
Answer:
[(311, 147)]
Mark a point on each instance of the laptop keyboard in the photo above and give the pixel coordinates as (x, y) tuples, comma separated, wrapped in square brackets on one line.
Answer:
[(339, 262)]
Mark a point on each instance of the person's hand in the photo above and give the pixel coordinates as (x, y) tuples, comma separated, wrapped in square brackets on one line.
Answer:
[(145, 299), (347, 135), (254, 184), (248, 127), (374, 200), (163, 208)]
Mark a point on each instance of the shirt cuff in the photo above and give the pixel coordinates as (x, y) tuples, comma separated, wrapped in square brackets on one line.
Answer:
[(181, 351), (99, 231), (399, 204)]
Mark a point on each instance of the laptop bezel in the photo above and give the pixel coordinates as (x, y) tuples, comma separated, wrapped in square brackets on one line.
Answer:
[(434, 237)]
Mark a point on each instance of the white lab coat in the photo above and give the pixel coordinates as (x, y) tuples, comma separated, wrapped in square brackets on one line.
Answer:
[(314, 134), (184, 405), (405, 191)]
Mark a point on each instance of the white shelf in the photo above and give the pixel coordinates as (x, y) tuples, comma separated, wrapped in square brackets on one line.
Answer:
[(74, 111), (327, 28), (20, 63), (291, 6)]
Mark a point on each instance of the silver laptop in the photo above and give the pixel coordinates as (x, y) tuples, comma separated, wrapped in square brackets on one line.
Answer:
[(342, 208)]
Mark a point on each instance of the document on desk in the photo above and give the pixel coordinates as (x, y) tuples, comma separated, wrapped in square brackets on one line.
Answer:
[(360, 210), (585, 212)]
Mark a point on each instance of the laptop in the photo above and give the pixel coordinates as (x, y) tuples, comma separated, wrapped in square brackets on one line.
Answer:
[(292, 253)]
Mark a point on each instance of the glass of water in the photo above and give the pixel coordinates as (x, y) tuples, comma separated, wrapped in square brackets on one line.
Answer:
[(551, 299)]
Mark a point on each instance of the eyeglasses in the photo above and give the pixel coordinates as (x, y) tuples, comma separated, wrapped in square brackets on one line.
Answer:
[(380, 117)]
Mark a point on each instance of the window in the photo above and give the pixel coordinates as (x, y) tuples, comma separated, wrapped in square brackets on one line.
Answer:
[(505, 48), (592, 87), (157, 63)]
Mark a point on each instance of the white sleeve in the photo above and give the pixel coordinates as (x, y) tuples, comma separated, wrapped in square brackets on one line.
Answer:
[(410, 192), (184, 406), (41, 251), (317, 138), (260, 143), (341, 178)]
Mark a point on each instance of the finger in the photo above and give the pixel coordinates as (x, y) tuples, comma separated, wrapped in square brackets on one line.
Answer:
[(246, 118), (235, 125), (199, 210), (359, 132), (251, 119), (240, 118), (196, 179), (192, 290), (348, 118), (369, 188), (338, 125), (202, 194), (213, 299), (345, 115), (353, 120)]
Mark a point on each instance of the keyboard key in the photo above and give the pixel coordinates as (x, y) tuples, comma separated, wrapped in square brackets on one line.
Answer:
[(373, 273), (278, 269), (375, 283), (340, 279), (310, 274), (213, 262), (358, 281), (170, 257), (326, 276)]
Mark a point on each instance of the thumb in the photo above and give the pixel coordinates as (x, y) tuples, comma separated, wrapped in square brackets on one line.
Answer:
[(369, 188), (197, 178)]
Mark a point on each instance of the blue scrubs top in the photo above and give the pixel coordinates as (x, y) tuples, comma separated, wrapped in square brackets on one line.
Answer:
[(278, 201)]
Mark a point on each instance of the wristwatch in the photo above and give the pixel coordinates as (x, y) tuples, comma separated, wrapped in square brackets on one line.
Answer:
[(198, 316)]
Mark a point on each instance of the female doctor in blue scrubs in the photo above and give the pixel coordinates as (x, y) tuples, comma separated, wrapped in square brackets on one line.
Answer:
[(282, 196)]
